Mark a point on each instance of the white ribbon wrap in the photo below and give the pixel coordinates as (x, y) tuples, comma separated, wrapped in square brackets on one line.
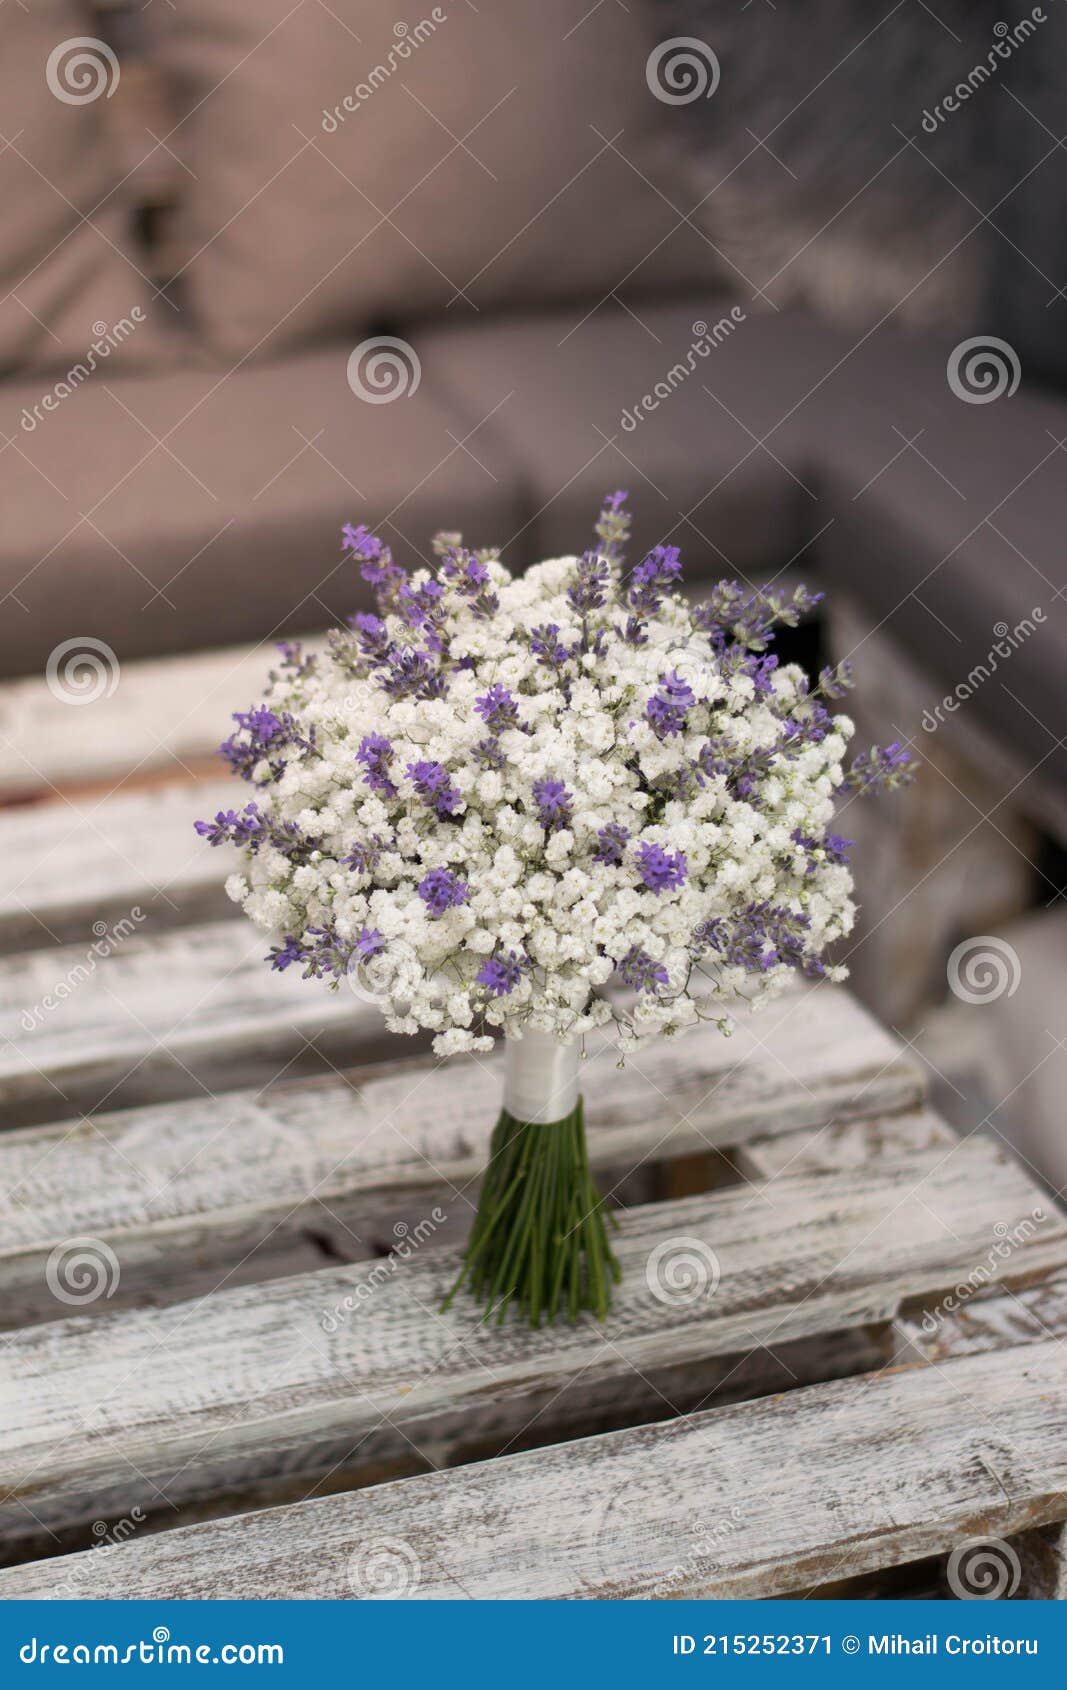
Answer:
[(540, 1077)]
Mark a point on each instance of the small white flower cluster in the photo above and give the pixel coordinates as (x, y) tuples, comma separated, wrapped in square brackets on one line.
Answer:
[(547, 802)]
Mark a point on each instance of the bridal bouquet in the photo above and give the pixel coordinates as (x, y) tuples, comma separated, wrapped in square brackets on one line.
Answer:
[(539, 806)]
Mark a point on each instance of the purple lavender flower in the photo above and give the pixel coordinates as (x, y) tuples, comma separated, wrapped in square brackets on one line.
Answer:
[(497, 709), (763, 936), (441, 890), (412, 674), (489, 754), (254, 829), (836, 680), (371, 634), (667, 708), (432, 783), (835, 847), (613, 526), (470, 577), (283, 956), (612, 841), (588, 591), (553, 803), (375, 753), (369, 943), (661, 871), (364, 856), (881, 769), (260, 732), (709, 936), (293, 657), (656, 572), (638, 970), (547, 646), (733, 612), (500, 975)]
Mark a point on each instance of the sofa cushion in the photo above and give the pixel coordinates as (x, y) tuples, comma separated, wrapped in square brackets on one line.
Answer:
[(173, 512), (668, 401), (70, 290), (348, 167)]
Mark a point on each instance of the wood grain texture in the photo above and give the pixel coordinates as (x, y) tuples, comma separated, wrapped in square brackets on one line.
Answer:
[(213, 1176), (140, 1018), (283, 1375), (68, 863), (750, 1501), (164, 714), (843, 1144)]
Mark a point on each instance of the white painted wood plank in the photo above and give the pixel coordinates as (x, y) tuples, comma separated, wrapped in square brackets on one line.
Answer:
[(843, 1144), (164, 713), (212, 1175), (984, 1318), (124, 1019), (820, 1483), (71, 862), (247, 1382)]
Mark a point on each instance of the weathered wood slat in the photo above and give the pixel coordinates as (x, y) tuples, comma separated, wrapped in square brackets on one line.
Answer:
[(843, 1144), (71, 863), (163, 714), (298, 1372), (123, 1019), (987, 1318), (213, 1176), (822, 1483)]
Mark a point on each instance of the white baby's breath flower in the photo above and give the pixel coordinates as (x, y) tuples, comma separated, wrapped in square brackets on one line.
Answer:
[(505, 800)]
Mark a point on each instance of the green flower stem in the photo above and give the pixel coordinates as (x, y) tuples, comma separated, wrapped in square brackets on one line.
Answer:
[(540, 1234)]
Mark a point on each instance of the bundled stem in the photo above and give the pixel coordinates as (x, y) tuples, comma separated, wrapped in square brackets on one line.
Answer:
[(540, 1236)]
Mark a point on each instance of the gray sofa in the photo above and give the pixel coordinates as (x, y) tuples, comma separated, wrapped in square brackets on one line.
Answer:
[(572, 331)]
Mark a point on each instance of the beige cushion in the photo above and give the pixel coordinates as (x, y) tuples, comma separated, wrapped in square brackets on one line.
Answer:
[(344, 171), (66, 279)]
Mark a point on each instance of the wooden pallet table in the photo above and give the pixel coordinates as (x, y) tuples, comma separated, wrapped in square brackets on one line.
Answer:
[(229, 1209)]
